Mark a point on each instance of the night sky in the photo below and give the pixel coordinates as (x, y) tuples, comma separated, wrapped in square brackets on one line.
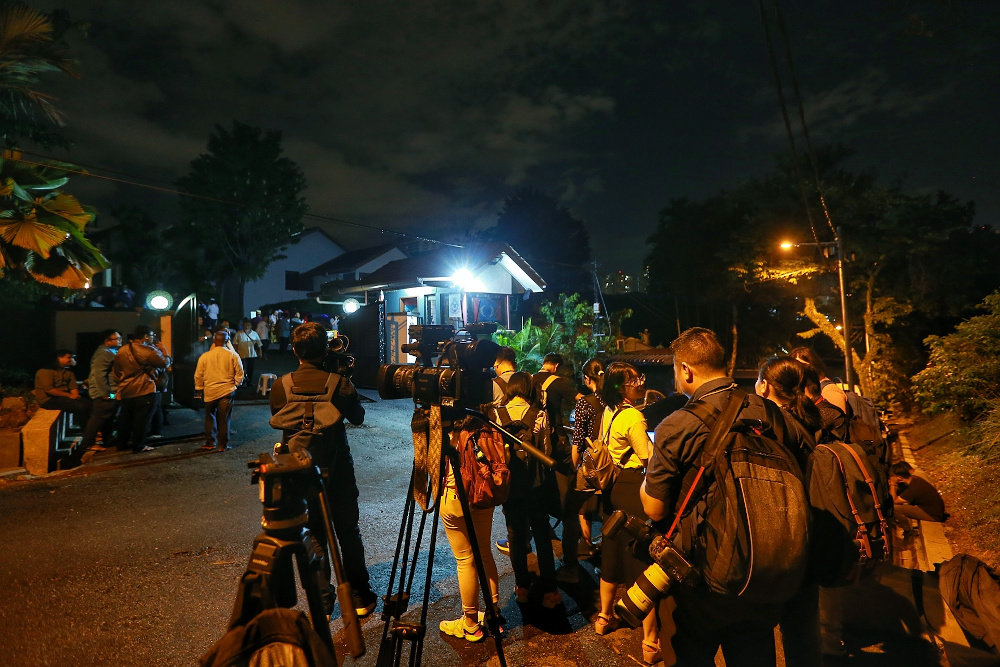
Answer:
[(421, 115)]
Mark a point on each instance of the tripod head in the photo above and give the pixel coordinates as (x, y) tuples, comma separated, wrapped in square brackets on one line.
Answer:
[(289, 485)]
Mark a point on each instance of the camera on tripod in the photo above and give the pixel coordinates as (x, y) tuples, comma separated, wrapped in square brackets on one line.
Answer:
[(669, 567), (287, 481), (462, 377), (337, 360)]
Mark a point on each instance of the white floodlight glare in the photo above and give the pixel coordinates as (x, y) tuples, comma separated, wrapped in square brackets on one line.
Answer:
[(159, 300), (466, 281), (351, 305)]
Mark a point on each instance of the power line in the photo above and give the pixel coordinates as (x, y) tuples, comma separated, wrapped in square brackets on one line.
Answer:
[(85, 170)]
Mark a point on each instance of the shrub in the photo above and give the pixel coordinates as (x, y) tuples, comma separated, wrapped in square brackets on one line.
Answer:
[(963, 373)]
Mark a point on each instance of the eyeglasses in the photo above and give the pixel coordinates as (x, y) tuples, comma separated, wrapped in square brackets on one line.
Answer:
[(638, 382)]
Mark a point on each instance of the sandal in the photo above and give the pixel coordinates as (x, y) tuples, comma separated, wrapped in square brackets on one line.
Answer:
[(651, 653), (208, 447), (97, 448), (605, 625), (147, 448)]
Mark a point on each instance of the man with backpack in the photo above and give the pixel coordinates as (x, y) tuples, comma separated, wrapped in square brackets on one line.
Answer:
[(557, 395), (504, 366), (696, 621), (310, 405)]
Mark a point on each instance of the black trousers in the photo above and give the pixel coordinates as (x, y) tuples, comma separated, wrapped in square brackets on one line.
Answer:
[(102, 420), (133, 421), (694, 624), (342, 496), (526, 515)]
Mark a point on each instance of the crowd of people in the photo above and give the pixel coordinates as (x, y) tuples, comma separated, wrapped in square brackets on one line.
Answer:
[(793, 398), (122, 402)]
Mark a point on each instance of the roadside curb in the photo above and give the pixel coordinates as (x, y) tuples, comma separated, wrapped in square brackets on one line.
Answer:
[(932, 549)]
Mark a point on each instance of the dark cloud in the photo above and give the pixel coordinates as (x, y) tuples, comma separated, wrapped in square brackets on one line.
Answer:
[(423, 115)]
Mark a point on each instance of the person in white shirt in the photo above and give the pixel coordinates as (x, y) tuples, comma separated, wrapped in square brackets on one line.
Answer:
[(249, 347), (216, 377)]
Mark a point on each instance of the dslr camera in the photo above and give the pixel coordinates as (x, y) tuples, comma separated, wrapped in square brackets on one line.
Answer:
[(669, 567)]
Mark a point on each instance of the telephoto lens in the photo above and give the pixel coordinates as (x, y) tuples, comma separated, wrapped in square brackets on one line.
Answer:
[(669, 567)]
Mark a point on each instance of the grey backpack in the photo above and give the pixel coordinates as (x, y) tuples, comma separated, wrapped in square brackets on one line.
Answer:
[(306, 416)]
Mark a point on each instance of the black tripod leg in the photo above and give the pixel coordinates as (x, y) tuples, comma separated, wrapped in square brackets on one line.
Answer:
[(308, 567), (395, 603), (490, 614), (352, 629)]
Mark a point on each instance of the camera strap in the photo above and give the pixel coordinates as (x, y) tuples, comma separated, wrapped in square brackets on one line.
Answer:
[(722, 424), (427, 435)]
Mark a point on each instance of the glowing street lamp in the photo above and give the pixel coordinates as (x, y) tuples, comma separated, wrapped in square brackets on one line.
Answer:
[(159, 300), (838, 245)]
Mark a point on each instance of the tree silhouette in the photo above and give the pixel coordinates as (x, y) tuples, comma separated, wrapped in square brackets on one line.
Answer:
[(246, 205)]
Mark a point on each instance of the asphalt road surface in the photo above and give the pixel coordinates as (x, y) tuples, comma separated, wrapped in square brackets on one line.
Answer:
[(134, 559)]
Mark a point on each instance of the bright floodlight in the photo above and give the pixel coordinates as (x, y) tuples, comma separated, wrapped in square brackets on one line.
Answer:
[(159, 300), (461, 278), (466, 281), (351, 305), (785, 245)]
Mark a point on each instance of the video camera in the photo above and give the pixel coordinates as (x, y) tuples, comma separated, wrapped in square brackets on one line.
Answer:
[(337, 360), (462, 377), (669, 567)]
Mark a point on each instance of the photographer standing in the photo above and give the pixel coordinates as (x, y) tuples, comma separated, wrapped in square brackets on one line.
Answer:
[(330, 451), (695, 622)]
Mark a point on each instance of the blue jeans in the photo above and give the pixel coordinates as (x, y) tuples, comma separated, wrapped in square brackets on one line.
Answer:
[(218, 417)]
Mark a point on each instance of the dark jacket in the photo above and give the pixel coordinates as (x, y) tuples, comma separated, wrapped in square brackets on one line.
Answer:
[(135, 367)]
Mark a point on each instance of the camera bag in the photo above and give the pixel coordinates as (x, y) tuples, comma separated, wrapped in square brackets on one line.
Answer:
[(485, 474), (750, 538), (850, 501)]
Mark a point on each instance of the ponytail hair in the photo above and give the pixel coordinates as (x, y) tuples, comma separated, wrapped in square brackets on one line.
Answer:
[(594, 369), (618, 375), (786, 377)]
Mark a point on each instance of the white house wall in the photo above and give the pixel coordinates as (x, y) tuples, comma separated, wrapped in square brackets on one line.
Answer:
[(313, 249), (495, 280)]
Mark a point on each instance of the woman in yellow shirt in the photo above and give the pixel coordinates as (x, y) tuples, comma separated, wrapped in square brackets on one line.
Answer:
[(623, 428)]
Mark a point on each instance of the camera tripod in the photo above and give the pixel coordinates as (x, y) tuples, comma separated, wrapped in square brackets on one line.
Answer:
[(396, 631), (268, 581)]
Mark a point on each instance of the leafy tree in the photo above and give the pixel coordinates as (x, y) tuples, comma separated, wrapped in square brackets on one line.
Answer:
[(963, 373), (567, 329), (244, 204), (31, 46), (547, 236), (142, 249), (896, 245), (42, 228)]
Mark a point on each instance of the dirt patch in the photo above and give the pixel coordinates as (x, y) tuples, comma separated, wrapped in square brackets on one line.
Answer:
[(966, 482)]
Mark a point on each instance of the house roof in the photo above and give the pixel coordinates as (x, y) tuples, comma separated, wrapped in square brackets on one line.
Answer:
[(350, 261), (438, 266)]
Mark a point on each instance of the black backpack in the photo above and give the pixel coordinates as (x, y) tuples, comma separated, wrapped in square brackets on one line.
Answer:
[(751, 539), (865, 427), (972, 590), (851, 505), (275, 636), (524, 430)]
